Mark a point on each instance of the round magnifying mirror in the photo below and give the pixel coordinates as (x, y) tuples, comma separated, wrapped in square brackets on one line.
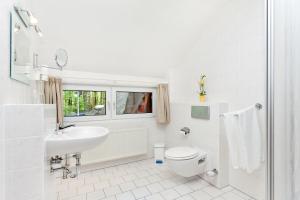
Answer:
[(61, 57)]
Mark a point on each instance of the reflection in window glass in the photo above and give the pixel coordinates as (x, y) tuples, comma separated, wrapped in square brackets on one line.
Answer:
[(84, 103), (133, 102)]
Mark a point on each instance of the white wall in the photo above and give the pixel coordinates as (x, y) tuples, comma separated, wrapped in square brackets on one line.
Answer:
[(231, 52), (11, 90), (72, 77), (156, 133), (132, 37)]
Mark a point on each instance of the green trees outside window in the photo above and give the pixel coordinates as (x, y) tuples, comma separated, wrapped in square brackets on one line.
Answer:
[(84, 103)]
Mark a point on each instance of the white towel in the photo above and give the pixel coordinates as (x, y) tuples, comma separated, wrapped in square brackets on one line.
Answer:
[(244, 139), (233, 139), (251, 138)]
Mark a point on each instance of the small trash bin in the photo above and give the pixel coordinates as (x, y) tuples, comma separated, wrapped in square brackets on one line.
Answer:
[(159, 153)]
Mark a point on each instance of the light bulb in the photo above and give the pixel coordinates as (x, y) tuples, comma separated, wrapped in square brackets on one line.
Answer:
[(33, 20), (17, 28), (38, 31), (40, 34)]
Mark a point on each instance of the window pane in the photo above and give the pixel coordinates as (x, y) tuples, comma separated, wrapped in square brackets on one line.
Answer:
[(84, 103), (133, 102), (70, 103), (92, 103)]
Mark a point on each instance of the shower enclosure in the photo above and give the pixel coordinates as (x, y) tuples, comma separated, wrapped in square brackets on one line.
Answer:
[(284, 99)]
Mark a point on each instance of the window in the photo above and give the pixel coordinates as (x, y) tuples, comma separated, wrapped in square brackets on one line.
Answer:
[(133, 102), (84, 103)]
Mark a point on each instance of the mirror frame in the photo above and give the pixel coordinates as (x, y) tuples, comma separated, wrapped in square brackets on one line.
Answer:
[(20, 78)]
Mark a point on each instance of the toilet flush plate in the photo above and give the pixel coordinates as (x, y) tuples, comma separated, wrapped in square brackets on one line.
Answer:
[(200, 112)]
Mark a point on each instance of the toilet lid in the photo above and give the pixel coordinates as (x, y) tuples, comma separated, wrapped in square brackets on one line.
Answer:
[(182, 153)]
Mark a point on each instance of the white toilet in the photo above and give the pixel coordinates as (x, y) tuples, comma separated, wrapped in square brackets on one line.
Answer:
[(186, 161)]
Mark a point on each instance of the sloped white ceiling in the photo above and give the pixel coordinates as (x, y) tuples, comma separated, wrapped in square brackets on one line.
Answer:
[(131, 37)]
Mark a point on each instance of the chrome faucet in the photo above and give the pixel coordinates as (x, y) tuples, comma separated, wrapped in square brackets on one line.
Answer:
[(67, 126), (59, 127)]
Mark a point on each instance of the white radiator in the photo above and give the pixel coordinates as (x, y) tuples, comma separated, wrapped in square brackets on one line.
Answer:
[(119, 144)]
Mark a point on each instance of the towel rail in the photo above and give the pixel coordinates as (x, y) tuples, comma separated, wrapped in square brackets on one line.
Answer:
[(258, 106)]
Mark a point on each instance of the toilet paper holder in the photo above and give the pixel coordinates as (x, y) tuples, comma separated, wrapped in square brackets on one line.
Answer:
[(185, 130)]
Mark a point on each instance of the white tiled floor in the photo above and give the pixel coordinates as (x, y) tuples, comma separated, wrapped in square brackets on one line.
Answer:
[(141, 180)]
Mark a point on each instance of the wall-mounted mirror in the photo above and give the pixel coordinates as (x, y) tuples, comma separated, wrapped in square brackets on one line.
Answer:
[(20, 49), (23, 36)]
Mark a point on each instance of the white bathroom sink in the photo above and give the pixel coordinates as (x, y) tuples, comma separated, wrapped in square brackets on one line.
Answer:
[(75, 140)]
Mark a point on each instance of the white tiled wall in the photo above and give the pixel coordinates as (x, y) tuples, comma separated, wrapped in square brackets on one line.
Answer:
[(205, 134), (231, 53), (24, 129), (50, 125)]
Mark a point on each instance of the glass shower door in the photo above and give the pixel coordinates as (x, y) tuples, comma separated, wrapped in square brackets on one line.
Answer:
[(286, 51)]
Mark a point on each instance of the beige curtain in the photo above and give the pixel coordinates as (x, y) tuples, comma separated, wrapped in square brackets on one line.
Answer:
[(163, 104), (53, 95)]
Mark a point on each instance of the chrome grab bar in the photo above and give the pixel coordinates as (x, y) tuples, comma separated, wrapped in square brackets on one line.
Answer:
[(258, 106)]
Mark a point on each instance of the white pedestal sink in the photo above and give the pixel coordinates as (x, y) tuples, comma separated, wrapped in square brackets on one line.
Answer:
[(75, 140)]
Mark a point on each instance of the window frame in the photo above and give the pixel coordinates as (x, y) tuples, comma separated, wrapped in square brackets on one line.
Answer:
[(111, 97), (132, 89), (90, 88)]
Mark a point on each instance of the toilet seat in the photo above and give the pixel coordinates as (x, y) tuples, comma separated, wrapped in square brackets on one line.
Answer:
[(184, 153)]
